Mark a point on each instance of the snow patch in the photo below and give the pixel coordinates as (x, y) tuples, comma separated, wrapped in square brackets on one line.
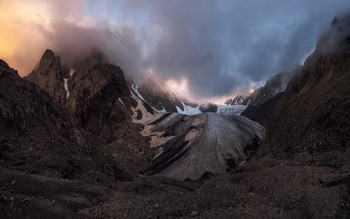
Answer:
[(66, 82), (71, 73), (188, 110), (162, 110), (66, 87), (137, 92), (120, 101), (146, 116)]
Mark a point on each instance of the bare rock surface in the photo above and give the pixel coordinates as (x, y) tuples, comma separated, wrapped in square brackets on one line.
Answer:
[(49, 75)]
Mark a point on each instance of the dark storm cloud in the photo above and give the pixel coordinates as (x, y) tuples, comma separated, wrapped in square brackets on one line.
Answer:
[(221, 46)]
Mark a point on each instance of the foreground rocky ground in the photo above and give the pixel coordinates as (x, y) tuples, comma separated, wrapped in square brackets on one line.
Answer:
[(303, 187)]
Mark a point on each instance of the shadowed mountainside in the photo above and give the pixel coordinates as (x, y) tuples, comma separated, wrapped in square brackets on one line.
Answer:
[(313, 113), (40, 136)]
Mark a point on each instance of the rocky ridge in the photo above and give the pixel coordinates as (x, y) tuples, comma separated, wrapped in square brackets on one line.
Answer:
[(313, 113)]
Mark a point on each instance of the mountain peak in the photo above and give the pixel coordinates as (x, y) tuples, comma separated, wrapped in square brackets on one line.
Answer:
[(49, 61), (96, 56), (48, 54)]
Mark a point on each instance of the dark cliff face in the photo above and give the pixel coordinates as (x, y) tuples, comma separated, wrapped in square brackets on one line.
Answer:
[(313, 113), (100, 100), (99, 95), (94, 90), (38, 135), (49, 75)]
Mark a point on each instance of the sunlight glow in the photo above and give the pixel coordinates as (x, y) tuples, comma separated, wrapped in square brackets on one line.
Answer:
[(179, 87)]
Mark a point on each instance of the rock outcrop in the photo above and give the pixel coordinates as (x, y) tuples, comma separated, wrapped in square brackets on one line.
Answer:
[(49, 75)]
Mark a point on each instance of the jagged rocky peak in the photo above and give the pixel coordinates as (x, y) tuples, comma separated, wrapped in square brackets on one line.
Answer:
[(88, 90), (49, 75), (99, 95), (48, 61)]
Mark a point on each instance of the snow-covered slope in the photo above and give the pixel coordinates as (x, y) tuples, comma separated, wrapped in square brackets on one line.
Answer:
[(141, 113), (188, 110)]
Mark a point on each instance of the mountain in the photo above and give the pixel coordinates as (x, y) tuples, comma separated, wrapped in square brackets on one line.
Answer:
[(46, 171), (274, 85), (313, 113), (39, 136), (93, 82), (157, 96), (162, 99), (97, 95), (103, 152), (50, 76)]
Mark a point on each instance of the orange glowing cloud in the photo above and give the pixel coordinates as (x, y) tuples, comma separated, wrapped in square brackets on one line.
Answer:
[(26, 27)]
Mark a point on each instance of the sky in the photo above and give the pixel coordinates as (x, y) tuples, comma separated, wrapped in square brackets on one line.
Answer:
[(210, 49)]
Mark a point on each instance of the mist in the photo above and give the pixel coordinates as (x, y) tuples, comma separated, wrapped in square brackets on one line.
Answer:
[(219, 47)]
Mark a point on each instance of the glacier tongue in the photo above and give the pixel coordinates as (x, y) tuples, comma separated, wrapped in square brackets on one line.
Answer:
[(231, 109), (190, 146)]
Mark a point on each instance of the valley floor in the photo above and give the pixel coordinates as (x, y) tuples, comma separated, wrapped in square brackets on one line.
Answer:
[(303, 186)]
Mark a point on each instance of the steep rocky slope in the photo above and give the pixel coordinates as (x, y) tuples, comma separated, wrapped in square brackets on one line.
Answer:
[(94, 90), (273, 86), (50, 75), (158, 97), (97, 94), (313, 113), (40, 136)]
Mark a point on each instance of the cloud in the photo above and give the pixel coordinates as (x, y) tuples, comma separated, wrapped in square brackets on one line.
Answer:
[(219, 47), (227, 46), (30, 27)]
